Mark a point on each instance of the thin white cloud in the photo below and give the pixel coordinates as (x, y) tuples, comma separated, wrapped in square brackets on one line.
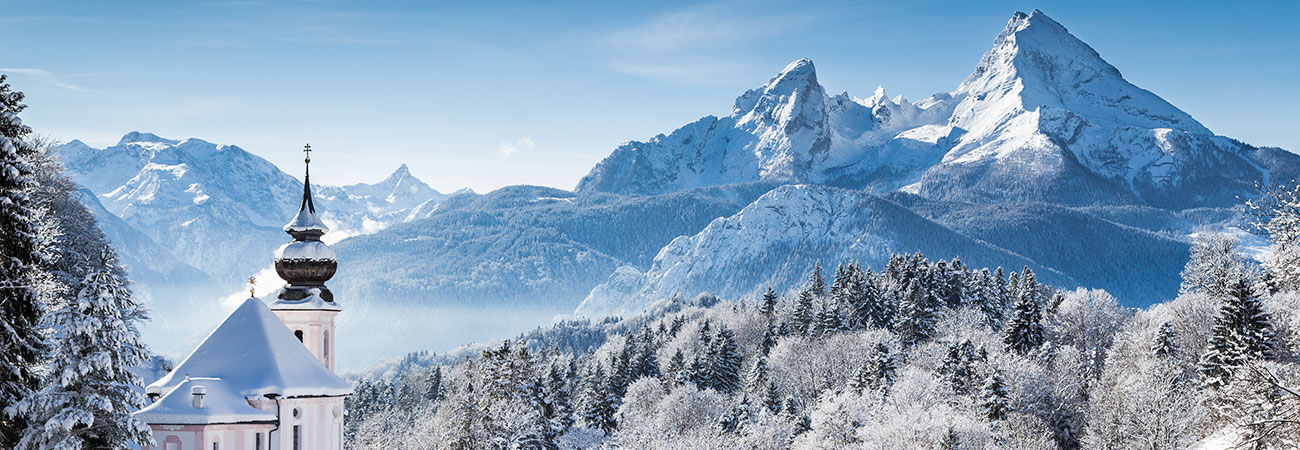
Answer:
[(42, 76), (696, 45), (523, 145)]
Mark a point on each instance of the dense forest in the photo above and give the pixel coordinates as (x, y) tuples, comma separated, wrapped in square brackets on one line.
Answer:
[(919, 354)]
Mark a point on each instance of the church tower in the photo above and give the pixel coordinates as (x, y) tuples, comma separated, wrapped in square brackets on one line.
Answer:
[(305, 305)]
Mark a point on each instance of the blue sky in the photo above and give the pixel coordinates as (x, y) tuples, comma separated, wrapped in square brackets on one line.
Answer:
[(488, 94)]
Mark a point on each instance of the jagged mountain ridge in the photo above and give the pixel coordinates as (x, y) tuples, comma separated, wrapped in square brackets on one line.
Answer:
[(218, 207), (1042, 118)]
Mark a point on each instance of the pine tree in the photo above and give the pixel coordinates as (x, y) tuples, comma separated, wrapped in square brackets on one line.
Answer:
[(803, 318), (816, 284), (723, 372), (769, 341), (917, 315), (676, 373), (20, 269), (769, 304), (597, 404), (828, 320), (956, 370), (1024, 332), (772, 398), (560, 399), (871, 307), (434, 381), (994, 397), (1242, 332), (950, 441), (89, 399), (757, 376), (1164, 347)]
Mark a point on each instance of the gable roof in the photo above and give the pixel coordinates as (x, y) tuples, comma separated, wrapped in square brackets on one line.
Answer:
[(255, 354), (220, 405)]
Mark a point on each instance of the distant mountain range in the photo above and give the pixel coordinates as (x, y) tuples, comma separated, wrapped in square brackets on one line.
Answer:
[(1045, 156)]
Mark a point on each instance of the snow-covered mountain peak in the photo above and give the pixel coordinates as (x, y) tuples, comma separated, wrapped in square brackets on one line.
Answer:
[(788, 97), (137, 136), (1036, 63)]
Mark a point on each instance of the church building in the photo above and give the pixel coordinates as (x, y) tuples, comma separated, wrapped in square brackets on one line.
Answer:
[(264, 379)]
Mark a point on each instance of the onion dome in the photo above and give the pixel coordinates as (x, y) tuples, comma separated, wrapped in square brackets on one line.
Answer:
[(305, 262)]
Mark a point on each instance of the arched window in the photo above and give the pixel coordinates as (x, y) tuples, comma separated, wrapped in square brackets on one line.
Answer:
[(172, 443), (326, 351), (298, 334)]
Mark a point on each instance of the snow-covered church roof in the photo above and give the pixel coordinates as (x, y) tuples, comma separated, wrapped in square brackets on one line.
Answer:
[(255, 354), (220, 405)]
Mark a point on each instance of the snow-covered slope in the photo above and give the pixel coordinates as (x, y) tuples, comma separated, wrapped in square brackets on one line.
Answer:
[(523, 245), (220, 208), (774, 240)]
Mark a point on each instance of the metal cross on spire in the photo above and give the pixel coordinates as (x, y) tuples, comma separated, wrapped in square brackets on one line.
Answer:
[(307, 149)]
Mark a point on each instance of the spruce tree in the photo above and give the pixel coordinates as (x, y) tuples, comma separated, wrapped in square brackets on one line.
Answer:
[(768, 307), (994, 398), (1164, 347), (597, 406), (723, 365), (1242, 332), (956, 370), (1024, 331), (757, 376), (871, 307), (917, 315), (21, 341), (560, 399), (772, 398), (434, 380), (802, 320), (88, 400)]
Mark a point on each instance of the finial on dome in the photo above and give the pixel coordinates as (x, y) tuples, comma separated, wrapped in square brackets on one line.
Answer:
[(252, 287)]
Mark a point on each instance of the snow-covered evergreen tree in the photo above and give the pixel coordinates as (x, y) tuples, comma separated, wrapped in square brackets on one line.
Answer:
[(90, 393), (768, 304), (803, 320), (1242, 332), (597, 409), (994, 398), (1164, 346), (917, 314), (21, 339), (1024, 330)]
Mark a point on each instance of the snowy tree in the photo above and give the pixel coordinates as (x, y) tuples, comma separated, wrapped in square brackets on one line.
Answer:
[(597, 409), (871, 307), (1277, 214), (1242, 332), (1164, 346), (91, 392), (768, 303), (957, 370), (804, 318), (722, 364), (994, 398), (917, 314), (560, 399), (434, 391), (1216, 264), (1024, 331), (816, 284)]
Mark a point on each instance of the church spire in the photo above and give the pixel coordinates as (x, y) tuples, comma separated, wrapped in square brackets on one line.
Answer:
[(306, 225), (306, 263)]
